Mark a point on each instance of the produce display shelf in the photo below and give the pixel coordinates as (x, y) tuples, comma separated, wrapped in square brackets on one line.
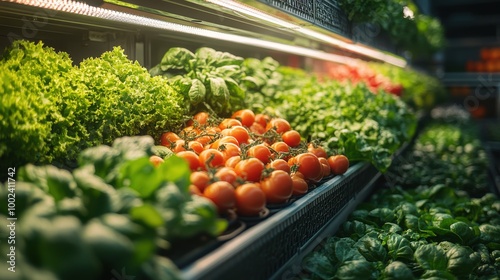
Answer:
[(264, 249)]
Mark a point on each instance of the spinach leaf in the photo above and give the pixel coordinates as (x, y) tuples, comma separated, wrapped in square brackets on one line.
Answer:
[(176, 58), (397, 270), (356, 269), (431, 257), (399, 248), (371, 248), (319, 265), (461, 260)]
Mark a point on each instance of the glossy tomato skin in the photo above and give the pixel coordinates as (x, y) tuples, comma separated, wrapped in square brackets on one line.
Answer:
[(168, 138), (245, 116), (250, 169), (232, 161), (280, 150), (338, 164), (240, 133), (229, 150), (325, 166), (211, 158), (200, 179), (178, 146), (300, 185), (257, 128), (261, 152), (291, 138), (250, 199), (224, 140), (310, 166), (196, 147), (228, 123), (156, 160), (317, 150), (227, 174), (192, 159), (222, 194), (200, 118), (279, 124), (279, 164), (194, 190), (278, 187), (262, 119)]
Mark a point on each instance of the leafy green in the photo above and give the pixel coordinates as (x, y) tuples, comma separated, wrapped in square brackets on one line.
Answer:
[(42, 113), (349, 120), (431, 257), (420, 34), (51, 110), (207, 79), (115, 210), (432, 230), (420, 91), (147, 105), (397, 271)]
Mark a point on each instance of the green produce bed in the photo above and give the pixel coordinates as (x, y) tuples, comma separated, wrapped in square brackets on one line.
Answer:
[(267, 248)]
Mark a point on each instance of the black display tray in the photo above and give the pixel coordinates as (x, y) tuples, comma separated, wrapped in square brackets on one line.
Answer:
[(261, 250)]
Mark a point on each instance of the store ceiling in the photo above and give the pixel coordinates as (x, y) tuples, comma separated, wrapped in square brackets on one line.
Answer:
[(468, 23)]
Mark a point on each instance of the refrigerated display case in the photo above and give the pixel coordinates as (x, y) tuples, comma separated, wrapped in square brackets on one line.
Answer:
[(311, 35)]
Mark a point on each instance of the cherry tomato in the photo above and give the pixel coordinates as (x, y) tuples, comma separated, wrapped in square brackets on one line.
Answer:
[(211, 158), (207, 135), (155, 160), (232, 161), (192, 159), (298, 174), (261, 152), (250, 199), (240, 133), (223, 140), (178, 146), (226, 174), (200, 179), (278, 187), (245, 116), (250, 169), (325, 166), (257, 128), (222, 194), (228, 123), (168, 138), (195, 146), (194, 190), (279, 124), (310, 166), (262, 119), (300, 186), (279, 164), (203, 140), (291, 138), (189, 132), (317, 150), (229, 150), (282, 148), (200, 118), (338, 164)]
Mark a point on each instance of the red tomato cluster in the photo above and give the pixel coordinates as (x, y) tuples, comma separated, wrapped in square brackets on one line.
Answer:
[(361, 73), (249, 160)]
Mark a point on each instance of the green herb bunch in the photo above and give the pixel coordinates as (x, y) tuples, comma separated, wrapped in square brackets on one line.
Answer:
[(208, 79), (51, 110), (421, 34)]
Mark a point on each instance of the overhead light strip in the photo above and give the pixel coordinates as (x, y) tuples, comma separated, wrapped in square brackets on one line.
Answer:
[(97, 12), (87, 10), (362, 50)]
